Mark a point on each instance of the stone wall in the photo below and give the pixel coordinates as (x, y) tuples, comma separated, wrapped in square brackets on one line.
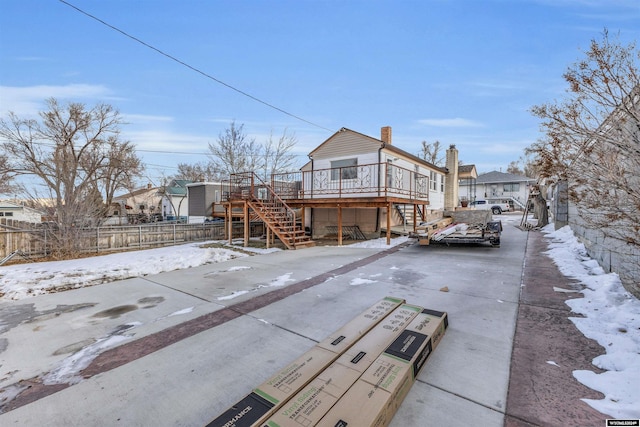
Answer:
[(613, 255)]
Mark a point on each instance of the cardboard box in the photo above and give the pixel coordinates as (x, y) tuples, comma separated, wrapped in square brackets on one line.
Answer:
[(351, 332), (376, 396), (266, 398), (311, 403)]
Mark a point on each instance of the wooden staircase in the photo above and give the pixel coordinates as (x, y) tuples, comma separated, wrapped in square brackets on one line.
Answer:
[(272, 210)]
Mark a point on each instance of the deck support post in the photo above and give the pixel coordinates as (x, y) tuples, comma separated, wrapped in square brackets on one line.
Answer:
[(389, 206), (230, 217), (339, 225), (268, 236), (246, 223)]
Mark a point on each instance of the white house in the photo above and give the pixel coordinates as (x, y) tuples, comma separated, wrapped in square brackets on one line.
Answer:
[(14, 212), (175, 199), (358, 177), (353, 182), (496, 187)]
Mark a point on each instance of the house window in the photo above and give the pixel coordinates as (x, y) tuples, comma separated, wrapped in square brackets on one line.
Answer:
[(442, 183), (433, 179), (511, 187), (1, 213), (8, 214), (344, 169)]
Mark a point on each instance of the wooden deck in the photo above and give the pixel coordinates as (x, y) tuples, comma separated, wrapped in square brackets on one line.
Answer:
[(401, 187)]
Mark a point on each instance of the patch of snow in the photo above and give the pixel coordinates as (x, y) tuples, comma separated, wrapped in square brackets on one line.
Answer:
[(232, 295), (277, 282), (183, 311), (281, 280), (611, 317), (26, 280), (360, 281), (566, 291), (7, 394), (68, 370), (380, 243)]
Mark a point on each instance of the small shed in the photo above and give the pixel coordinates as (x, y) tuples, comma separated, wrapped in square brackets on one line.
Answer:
[(202, 198)]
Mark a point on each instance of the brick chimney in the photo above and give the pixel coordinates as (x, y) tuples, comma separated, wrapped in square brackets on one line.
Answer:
[(385, 134)]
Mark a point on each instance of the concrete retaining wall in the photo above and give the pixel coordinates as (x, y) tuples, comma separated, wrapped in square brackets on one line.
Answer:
[(613, 255)]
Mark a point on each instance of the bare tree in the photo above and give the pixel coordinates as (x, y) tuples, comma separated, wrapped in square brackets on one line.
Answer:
[(277, 155), (432, 152), (201, 171), (76, 156), (234, 152), (525, 166), (7, 185), (514, 168), (592, 138), (120, 167)]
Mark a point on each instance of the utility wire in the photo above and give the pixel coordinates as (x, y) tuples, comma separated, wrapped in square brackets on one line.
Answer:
[(173, 58)]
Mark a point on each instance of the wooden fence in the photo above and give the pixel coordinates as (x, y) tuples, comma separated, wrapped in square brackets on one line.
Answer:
[(36, 243)]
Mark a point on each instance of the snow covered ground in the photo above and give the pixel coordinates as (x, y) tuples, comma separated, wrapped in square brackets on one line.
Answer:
[(27, 280), (611, 316)]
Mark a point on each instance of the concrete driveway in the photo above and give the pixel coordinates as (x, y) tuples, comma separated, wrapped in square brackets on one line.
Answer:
[(193, 342)]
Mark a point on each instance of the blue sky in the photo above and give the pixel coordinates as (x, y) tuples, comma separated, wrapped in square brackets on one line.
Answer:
[(464, 72)]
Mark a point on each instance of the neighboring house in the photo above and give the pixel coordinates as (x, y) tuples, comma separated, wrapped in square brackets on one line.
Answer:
[(495, 187), (467, 183), (14, 212), (175, 198), (142, 205)]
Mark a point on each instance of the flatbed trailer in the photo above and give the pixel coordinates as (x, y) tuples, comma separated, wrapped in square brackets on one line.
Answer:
[(460, 228)]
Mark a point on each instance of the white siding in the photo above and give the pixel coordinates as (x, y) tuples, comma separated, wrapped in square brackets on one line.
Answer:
[(345, 144), (363, 159)]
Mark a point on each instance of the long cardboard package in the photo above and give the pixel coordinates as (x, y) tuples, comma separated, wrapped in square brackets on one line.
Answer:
[(264, 400), (311, 403), (374, 399)]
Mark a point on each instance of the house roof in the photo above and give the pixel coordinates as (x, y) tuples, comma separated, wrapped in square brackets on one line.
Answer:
[(135, 193), (178, 187), (466, 168), (388, 147), (467, 171), (495, 176)]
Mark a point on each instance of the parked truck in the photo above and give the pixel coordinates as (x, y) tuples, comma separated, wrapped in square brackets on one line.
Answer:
[(460, 226)]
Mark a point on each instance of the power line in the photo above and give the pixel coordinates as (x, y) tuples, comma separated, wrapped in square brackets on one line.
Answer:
[(190, 153), (173, 58)]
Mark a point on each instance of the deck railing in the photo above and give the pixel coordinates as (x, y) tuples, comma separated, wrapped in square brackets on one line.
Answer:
[(371, 180)]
